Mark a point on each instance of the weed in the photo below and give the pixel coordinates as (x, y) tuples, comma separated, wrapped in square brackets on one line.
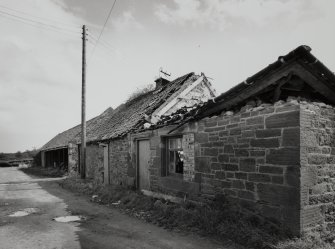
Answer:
[(218, 218)]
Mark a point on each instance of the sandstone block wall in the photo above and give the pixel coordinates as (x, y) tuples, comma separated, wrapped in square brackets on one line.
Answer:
[(253, 157), (317, 164), (278, 160), (172, 185)]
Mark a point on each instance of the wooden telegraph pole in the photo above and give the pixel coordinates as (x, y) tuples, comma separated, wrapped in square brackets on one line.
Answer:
[(83, 109)]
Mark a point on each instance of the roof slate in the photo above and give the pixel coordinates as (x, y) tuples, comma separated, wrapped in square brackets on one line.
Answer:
[(130, 116), (70, 135), (125, 118)]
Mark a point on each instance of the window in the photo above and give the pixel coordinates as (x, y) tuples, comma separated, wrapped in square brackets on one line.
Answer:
[(174, 156)]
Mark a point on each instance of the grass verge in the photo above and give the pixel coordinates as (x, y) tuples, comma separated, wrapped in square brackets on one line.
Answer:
[(43, 172), (219, 218)]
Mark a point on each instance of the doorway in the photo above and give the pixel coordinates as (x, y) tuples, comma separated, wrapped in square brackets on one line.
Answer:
[(143, 157)]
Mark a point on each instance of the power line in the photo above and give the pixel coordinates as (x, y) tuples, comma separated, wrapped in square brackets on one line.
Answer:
[(102, 30), (102, 46), (103, 43), (37, 26), (50, 26), (43, 18), (105, 50)]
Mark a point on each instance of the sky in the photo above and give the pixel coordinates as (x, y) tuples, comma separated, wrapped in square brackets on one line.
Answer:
[(228, 40)]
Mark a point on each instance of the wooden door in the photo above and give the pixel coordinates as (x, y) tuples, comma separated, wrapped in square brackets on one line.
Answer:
[(106, 167), (143, 157)]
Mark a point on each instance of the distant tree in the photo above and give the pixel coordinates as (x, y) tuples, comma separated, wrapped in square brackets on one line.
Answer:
[(37, 159), (2, 156), (18, 154)]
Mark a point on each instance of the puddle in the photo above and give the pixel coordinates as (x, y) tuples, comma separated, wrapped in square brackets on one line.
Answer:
[(24, 212), (69, 218)]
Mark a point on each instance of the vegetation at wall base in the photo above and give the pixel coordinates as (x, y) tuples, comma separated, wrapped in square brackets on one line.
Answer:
[(43, 172), (218, 219)]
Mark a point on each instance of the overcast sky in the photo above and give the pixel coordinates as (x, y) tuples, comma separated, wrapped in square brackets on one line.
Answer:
[(228, 40)]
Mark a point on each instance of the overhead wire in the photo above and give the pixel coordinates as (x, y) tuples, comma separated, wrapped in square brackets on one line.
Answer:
[(94, 43), (104, 52), (40, 24), (38, 27), (102, 43), (30, 20), (37, 17), (102, 30)]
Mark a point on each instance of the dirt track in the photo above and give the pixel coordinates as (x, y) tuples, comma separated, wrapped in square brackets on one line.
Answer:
[(104, 227)]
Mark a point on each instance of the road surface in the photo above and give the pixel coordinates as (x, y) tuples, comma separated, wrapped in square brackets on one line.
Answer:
[(104, 227)]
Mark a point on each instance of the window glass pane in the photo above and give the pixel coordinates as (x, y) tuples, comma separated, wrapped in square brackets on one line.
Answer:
[(172, 143), (179, 146), (171, 161), (175, 156), (175, 143), (179, 162)]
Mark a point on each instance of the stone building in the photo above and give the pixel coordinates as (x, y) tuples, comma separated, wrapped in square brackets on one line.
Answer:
[(267, 144), (106, 133)]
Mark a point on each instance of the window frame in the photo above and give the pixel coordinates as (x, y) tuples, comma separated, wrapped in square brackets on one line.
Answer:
[(166, 170)]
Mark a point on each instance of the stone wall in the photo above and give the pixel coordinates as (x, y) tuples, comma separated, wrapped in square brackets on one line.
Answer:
[(253, 157), (277, 160), (183, 186), (73, 155), (95, 162), (189, 159), (317, 164), (119, 161)]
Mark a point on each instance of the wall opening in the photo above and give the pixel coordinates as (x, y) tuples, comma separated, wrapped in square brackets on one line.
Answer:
[(57, 158)]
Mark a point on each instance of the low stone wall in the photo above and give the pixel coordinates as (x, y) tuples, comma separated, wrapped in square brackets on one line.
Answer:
[(317, 164)]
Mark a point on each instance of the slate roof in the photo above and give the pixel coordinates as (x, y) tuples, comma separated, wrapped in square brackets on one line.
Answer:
[(125, 118), (70, 135), (130, 116)]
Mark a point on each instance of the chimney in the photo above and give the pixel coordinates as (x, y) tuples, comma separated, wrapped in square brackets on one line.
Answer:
[(161, 82)]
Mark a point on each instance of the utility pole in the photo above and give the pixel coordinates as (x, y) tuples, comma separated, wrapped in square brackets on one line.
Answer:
[(83, 109)]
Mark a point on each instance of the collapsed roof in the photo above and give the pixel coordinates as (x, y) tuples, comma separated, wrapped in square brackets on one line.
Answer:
[(298, 73), (131, 115)]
